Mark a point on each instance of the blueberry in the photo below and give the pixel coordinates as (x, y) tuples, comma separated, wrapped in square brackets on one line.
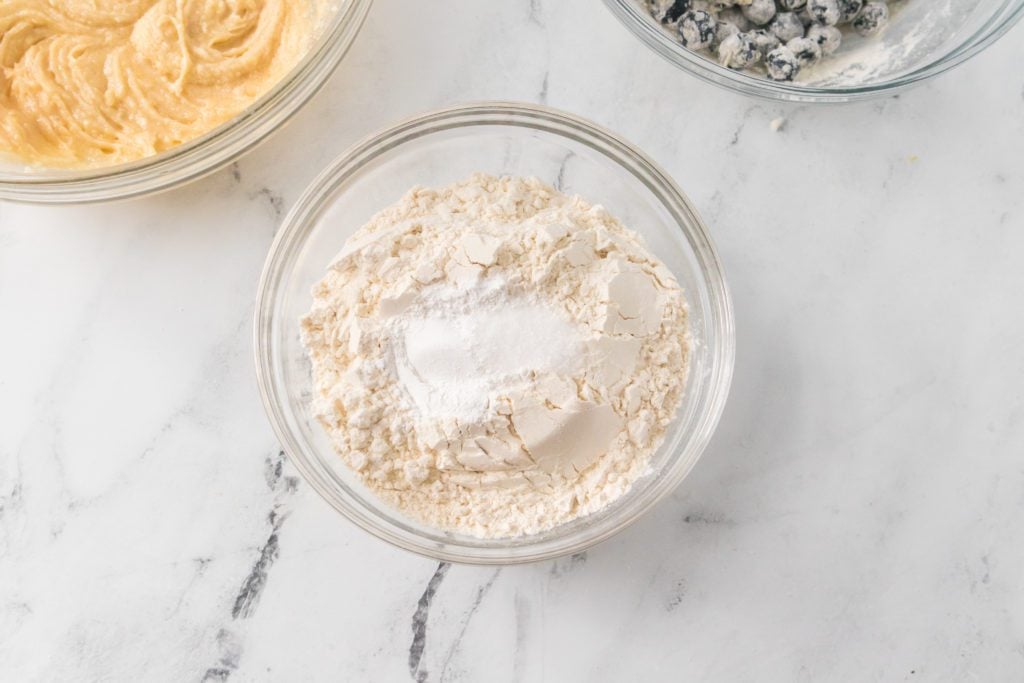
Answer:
[(849, 9), (806, 50), (786, 26), (697, 29), (790, 5), (765, 40), (828, 37), (734, 16), (872, 18), (824, 11), (677, 9), (724, 29), (760, 11), (738, 51), (781, 64)]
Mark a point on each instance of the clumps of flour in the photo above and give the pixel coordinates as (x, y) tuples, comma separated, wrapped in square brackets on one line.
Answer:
[(496, 358)]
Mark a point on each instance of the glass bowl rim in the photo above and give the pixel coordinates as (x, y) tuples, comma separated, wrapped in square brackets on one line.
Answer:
[(302, 217), (208, 152), (636, 20)]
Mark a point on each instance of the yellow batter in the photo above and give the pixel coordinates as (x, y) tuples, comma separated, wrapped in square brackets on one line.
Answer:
[(88, 83)]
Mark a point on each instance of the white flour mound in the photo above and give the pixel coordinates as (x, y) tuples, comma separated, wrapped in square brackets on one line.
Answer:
[(496, 358)]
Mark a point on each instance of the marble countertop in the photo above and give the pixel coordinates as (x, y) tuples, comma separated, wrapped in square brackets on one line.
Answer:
[(858, 515)]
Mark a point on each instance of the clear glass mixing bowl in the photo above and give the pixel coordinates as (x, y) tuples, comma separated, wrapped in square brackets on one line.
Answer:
[(439, 148), (204, 154), (924, 39)]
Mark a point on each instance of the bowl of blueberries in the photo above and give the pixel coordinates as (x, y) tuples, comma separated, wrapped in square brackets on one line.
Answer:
[(817, 50)]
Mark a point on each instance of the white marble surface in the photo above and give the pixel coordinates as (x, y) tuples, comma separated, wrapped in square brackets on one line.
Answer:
[(858, 516)]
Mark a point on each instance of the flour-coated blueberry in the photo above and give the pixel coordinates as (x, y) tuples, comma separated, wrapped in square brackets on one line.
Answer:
[(786, 26), (824, 11), (806, 50), (872, 18), (697, 29), (760, 12), (828, 37), (781, 64), (738, 51), (765, 40), (849, 9)]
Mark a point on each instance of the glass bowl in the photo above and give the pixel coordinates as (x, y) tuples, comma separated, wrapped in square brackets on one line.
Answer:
[(924, 39), (436, 149), (207, 153)]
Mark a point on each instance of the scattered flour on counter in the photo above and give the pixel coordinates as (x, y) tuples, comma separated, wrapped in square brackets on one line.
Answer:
[(496, 358)]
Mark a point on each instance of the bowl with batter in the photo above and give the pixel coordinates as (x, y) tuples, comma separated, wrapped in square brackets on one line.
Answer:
[(494, 333), (111, 99)]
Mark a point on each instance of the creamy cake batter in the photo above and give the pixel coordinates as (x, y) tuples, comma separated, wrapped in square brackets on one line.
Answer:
[(89, 83)]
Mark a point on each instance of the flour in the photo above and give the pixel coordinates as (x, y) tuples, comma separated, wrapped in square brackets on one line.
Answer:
[(496, 358)]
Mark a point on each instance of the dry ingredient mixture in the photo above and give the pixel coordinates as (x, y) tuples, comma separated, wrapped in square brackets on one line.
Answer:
[(496, 358), (777, 38), (89, 83)]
